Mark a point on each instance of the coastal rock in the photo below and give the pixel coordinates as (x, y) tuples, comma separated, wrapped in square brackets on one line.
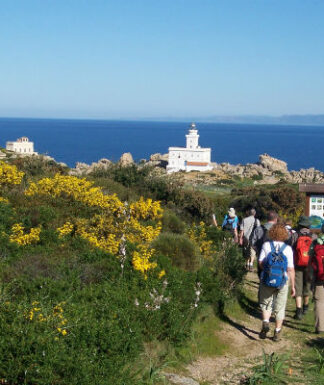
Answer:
[(126, 159), (85, 169), (157, 156), (273, 164), (158, 160)]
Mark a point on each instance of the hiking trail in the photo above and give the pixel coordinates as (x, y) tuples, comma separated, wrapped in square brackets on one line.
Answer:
[(244, 349)]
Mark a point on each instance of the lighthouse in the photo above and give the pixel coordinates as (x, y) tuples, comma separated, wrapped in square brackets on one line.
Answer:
[(189, 158)]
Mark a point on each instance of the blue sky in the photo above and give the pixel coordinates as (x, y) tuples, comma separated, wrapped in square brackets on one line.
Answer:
[(153, 58)]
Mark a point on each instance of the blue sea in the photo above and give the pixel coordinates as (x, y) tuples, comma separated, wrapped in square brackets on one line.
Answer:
[(72, 141)]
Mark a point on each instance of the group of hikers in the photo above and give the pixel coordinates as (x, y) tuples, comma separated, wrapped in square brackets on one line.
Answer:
[(284, 255)]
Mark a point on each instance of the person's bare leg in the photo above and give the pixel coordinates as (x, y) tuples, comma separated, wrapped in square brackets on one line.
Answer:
[(265, 324), (299, 302)]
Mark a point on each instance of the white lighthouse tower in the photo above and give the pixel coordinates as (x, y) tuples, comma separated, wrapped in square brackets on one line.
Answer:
[(189, 158), (192, 137)]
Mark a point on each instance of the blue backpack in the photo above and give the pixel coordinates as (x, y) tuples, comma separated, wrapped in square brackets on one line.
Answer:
[(275, 267)]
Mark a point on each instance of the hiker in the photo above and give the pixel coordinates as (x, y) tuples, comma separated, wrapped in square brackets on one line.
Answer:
[(301, 242), (316, 266), (277, 268), (260, 234), (230, 223), (249, 224)]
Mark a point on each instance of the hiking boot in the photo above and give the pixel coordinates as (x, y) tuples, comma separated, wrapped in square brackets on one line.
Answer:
[(305, 309), (276, 335), (299, 314), (264, 330)]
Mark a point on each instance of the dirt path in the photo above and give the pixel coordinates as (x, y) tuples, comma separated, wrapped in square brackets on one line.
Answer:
[(241, 336)]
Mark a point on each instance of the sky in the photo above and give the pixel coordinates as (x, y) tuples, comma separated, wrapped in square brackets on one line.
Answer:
[(161, 58)]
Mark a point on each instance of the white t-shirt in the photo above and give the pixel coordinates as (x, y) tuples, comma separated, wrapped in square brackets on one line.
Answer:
[(266, 249)]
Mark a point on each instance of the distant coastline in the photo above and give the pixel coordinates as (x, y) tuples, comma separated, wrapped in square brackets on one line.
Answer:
[(286, 120)]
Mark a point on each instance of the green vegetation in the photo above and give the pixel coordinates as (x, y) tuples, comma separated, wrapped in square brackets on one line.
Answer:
[(77, 311)]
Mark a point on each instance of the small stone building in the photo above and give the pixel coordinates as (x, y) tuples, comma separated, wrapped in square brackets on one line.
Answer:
[(21, 146), (189, 158)]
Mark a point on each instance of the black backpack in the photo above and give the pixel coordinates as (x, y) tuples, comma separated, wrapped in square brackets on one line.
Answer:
[(264, 238), (228, 224)]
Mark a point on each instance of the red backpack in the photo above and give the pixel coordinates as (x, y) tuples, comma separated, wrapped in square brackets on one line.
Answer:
[(318, 262), (301, 252)]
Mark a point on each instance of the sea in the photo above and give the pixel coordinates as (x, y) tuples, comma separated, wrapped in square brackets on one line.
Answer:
[(71, 141)]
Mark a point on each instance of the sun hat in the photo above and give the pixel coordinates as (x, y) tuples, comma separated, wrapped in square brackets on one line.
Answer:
[(304, 221), (231, 212)]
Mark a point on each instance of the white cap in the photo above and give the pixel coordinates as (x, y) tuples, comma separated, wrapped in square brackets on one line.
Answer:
[(231, 212)]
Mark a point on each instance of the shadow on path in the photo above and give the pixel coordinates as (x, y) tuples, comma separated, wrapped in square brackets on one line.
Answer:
[(241, 328)]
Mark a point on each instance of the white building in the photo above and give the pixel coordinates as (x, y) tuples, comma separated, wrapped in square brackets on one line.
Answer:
[(21, 146), (189, 158)]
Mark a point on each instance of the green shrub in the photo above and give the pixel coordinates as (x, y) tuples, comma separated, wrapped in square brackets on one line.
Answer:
[(180, 249), (172, 223), (129, 175), (283, 198), (38, 166), (223, 273)]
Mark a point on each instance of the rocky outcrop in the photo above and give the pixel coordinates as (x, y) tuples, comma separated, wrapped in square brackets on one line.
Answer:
[(85, 169), (273, 164), (158, 160), (267, 170), (126, 159)]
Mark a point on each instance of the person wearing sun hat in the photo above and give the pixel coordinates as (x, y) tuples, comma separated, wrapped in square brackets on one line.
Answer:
[(231, 222), (301, 242)]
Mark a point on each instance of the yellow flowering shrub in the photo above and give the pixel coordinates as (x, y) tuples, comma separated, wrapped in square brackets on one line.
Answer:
[(79, 189), (9, 174), (141, 260), (118, 222), (21, 238), (146, 209), (3, 200), (66, 229), (198, 235), (138, 232), (98, 236)]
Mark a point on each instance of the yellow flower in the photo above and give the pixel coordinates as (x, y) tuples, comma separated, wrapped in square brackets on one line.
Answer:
[(161, 274), (9, 174), (66, 229), (64, 332), (18, 236)]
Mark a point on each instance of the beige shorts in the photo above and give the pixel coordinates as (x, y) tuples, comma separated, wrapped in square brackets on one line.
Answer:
[(274, 300)]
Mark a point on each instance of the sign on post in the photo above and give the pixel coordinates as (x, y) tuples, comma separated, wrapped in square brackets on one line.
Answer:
[(314, 205)]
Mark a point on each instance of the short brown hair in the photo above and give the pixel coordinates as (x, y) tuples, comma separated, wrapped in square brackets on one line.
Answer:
[(278, 232), (272, 215)]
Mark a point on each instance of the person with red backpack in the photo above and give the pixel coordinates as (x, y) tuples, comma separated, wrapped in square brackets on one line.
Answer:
[(301, 242), (317, 268)]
